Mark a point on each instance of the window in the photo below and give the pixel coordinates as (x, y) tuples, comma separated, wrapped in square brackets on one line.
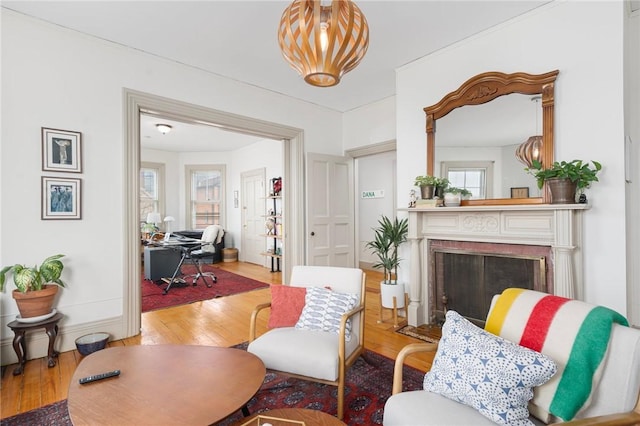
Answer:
[(475, 176), (152, 195), (205, 195)]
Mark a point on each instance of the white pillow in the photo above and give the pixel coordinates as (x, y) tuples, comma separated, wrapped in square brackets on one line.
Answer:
[(323, 310), (486, 372)]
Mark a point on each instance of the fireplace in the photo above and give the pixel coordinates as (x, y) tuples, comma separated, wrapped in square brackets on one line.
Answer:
[(464, 276), (546, 239)]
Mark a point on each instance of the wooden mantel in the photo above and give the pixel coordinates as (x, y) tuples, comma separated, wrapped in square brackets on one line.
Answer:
[(558, 226)]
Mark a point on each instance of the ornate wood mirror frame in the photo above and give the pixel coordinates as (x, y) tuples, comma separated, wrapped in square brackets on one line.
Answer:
[(484, 88)]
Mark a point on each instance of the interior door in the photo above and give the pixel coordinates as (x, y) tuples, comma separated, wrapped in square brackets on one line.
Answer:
[(253, 211), (330, 207)]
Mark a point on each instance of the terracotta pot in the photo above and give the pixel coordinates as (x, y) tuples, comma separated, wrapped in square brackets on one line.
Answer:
[(35, 303), (563, 191)]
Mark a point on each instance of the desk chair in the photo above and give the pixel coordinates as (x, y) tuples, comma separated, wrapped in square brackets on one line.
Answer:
[(211, 236)]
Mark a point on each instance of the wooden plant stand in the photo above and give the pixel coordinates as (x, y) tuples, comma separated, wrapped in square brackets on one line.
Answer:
[(394, 310)]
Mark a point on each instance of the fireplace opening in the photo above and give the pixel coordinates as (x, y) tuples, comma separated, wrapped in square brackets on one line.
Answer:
[(466, 279)]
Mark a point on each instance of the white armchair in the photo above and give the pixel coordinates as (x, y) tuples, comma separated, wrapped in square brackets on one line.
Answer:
[(321, 356), (615, 400)]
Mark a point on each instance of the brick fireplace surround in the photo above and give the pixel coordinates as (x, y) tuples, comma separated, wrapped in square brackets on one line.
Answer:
[(557, 226)]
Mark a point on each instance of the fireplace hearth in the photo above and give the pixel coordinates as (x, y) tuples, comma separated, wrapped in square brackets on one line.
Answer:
[(465, 275)]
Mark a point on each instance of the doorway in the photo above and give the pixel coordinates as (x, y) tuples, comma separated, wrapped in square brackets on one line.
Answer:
[(137, 102)]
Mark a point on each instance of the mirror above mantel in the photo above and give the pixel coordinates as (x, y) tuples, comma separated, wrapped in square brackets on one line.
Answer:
[(504, 98)]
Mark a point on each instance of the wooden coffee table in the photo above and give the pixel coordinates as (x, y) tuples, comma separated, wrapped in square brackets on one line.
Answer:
[(164, 384), (309, 417)]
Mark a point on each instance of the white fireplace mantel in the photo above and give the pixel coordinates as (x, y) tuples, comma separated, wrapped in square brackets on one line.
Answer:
[(558, 226)]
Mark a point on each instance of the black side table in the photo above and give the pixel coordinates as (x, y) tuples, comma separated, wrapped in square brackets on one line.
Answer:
[(20, 345)]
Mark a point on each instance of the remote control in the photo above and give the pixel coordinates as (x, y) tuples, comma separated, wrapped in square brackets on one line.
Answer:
[(100, 376)]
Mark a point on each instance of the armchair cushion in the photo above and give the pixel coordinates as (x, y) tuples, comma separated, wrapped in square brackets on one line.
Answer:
[(486, 372), (286, 305), (323, 310), (316, 352)]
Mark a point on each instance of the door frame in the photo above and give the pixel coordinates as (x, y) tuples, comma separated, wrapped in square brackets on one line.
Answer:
[(135, 103)]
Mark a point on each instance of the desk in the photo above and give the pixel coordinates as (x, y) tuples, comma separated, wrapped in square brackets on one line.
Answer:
[(179, 245), (20, 345), (164, 385)]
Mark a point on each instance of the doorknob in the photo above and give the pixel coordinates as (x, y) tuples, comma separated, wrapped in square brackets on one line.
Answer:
[(313, 233)]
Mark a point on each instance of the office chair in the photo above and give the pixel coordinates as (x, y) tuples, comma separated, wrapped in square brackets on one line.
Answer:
[(211, 236)]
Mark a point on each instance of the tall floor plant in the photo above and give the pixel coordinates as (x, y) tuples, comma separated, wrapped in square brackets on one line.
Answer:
[(388, 236)]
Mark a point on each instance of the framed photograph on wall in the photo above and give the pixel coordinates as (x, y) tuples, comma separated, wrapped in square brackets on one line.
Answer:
[(61, 150), (61, 198)]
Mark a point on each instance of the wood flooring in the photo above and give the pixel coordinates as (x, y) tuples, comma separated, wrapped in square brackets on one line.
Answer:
[(218, 322)]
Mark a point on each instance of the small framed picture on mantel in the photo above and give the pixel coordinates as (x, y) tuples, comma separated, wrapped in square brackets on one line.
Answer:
[(61, 150)]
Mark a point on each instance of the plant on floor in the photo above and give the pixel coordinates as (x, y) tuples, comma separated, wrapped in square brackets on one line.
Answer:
[(33, 278), (388, 236)]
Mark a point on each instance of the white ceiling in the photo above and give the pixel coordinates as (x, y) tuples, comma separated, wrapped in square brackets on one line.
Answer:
[(238, 39)]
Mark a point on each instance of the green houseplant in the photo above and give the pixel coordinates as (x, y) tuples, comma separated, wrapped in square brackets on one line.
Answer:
[(430, 185), (565, 179), (388, 236), (36, 286)]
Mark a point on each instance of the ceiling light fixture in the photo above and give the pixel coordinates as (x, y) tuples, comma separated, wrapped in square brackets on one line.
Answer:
[(164, 128), (531, 149), (321, 42)]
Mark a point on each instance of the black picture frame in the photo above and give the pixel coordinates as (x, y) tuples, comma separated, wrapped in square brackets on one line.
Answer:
[(61, 150)]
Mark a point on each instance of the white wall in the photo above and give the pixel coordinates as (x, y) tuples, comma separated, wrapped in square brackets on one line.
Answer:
[(375, 172), (54, 77), (584, 40), (370, 124)]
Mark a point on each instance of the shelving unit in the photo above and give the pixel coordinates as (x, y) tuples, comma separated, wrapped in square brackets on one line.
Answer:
[(275, 234)]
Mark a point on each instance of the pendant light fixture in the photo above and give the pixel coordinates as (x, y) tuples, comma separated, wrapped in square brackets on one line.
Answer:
[(531, 149), (321, 42)]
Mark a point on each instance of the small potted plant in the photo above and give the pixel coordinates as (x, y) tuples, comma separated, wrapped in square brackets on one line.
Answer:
[(36, 286), (430, 186), (454, 195), (388, 236), (565, 179)]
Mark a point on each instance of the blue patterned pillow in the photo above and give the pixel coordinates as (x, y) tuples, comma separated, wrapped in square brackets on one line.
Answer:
[(323, 310), (486, 372)]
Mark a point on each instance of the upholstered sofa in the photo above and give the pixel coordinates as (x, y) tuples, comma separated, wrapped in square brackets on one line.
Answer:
[(614, 400)]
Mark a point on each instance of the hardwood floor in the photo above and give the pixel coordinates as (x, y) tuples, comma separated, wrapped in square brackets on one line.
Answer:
[(219, 322)]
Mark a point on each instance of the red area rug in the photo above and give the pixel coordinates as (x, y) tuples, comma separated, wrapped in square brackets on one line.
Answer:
[(369, 382), (228, 284)]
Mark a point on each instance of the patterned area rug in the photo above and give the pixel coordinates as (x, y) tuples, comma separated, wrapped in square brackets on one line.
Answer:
[(425, 332), (228, 284), (369, 382)]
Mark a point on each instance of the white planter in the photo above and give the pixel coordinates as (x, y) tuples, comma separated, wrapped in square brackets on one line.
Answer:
[(451, 200), (387, 293)]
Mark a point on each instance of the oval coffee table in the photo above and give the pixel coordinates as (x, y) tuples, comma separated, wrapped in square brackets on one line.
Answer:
[(164, 384)]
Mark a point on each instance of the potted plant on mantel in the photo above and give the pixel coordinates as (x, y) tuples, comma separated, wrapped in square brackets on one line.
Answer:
[(36, 287), (387, 238), (430, 186), (565, 179), (453, 196)]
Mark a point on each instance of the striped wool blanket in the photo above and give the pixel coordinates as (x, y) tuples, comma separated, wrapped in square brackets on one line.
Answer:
[(574, 334)]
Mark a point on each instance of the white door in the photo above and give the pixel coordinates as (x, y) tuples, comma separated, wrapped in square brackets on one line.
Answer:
[(253, 211), (330, 207)]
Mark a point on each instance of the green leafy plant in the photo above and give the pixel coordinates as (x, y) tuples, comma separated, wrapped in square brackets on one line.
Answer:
[(426, 181), (576, 171), (34, 278), (455, 190), (387, 238)]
